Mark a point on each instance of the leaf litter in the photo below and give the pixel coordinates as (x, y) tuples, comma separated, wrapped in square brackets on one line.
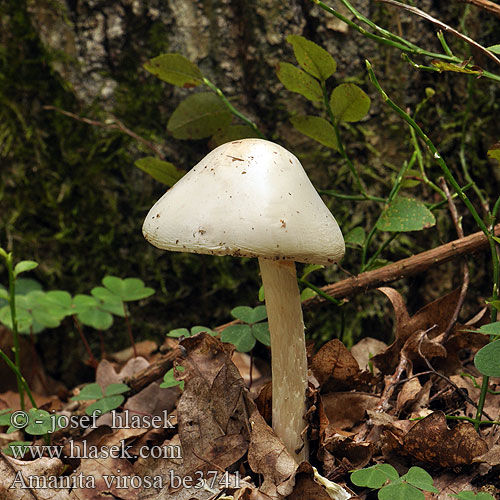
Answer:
[(373, 404)]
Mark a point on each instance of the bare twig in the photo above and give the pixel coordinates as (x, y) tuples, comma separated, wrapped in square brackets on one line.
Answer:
[(465, 267), (407, 267), (444, 377), (114, 124), (444, 27), (492, 7)]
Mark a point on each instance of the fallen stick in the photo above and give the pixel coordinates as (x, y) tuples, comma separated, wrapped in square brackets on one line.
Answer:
[(347, 288), (406, 267)]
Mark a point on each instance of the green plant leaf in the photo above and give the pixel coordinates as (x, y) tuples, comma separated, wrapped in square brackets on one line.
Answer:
[(198, 116), (374, 476), (178, 332), (162, 171), (40, 422), (240, 336), (494, 303), (175, 69), (311, 268), (494, 152), (5, 416), (261, 332), (95, 318), (405, 214), (400, 491), (490, 329), (312, 58), (496, 239), (487, 359), (316, 128), (114, 389), (23, 266), (420, 478), (26, 285), (4, 295), (127, 289), (356, 236), (105, 404), (349, 103), (233, 133), (248, 314), (307, 293), (470, 495), (14, 445), (296, 80), (90, 391), (169, 379), (198, 329), (494, 48)]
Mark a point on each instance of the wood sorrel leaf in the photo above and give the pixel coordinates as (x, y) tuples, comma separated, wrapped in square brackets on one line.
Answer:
[(312, 58), (198, 116), (175, 69), (487, 359), (296, 80), (405, 214), (240, 336), (316, 128), (349, 103)]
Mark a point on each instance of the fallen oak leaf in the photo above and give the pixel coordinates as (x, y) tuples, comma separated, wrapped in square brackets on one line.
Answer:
[(432, 441)]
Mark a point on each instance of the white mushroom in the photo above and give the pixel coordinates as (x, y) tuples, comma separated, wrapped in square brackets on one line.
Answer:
[(252, 198)]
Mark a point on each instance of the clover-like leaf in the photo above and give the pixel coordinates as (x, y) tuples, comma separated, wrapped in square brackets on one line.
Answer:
[(127, 289), (175, 69), (40, 422), (169, 379), (90, 391), (420, 478), (114, 389), (400, 491), (316, 128), (261, 332), (349, 103), (162, 171), (198, 116), (296, 80), (249, 314), (487, 359), (405, 214), (470, 495), (374, 476), (104, 405), (240, 336), (312, 58)]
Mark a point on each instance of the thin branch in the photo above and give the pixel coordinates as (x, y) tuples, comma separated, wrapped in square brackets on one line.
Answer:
[(465, 268), (114, 124), (444, 27), (492, 7)]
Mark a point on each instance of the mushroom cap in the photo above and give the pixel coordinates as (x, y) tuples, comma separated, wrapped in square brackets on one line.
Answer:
[(246, 198)]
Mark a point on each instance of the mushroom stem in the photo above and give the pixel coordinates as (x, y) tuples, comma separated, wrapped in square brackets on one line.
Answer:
[(288, 353)]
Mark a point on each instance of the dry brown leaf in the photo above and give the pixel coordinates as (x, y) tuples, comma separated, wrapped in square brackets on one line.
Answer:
[(334, 366), (268, 456), (264, 402), (345, 410), (212, 414), (439, 313), (143, 349), (364, 350), (106, 373), (18, 479), (432, 441), (408, 394)]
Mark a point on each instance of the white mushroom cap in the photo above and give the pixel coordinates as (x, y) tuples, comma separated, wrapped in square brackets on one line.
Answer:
[(246, 198)]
